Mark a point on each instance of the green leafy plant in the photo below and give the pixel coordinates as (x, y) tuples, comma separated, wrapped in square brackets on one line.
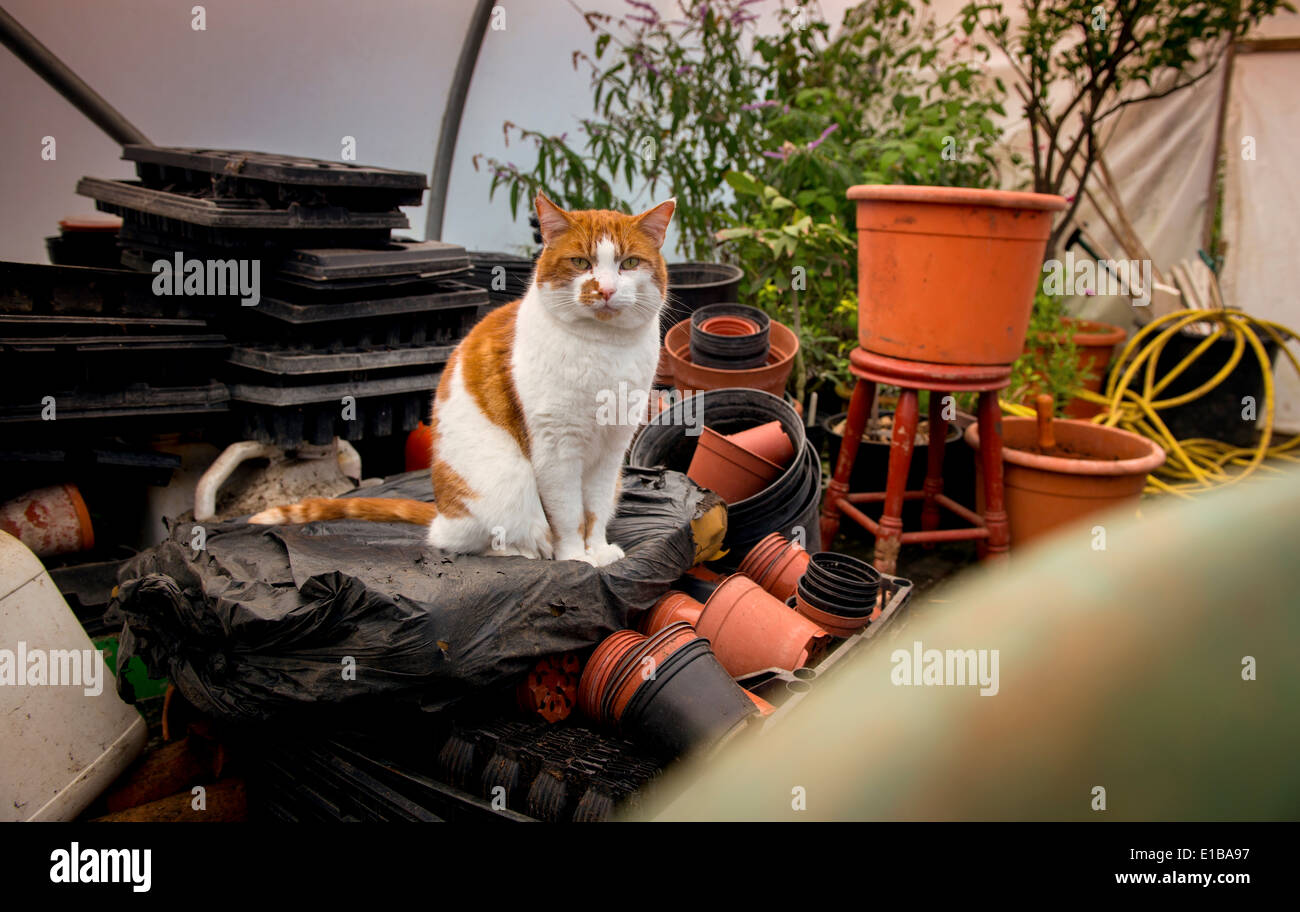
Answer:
[(1050, 363), (1078, 63)]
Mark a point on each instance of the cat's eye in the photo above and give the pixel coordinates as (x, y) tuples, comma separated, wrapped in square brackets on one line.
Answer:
[(630, 263), (580, 263)]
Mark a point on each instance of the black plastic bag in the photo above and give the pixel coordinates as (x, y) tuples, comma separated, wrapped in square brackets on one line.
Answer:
[(268, 619)]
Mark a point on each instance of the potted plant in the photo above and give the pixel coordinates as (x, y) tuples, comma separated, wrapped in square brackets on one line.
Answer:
[(1063, 354), (1057, 471)]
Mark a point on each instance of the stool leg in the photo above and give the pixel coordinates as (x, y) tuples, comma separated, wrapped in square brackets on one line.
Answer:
[(995, 513), (900, 460), (934, 463), (859, 411)]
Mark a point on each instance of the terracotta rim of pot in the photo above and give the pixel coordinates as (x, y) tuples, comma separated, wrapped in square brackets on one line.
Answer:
[(834, 624), (592, 682), (957, 196), (768, 440), (732, 591), (671, 605), (83, 516), (762, 556), (715, 453), (1140, 465), (783, 346), (778, 580), (1089, 333), (729, 326), (659, 648)]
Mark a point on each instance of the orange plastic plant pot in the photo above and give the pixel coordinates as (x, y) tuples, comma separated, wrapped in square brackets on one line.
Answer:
[(1044, 493), (949, 274), (770, 378), (729, 469), (750, 630)]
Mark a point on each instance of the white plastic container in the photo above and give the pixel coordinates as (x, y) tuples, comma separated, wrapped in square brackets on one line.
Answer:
[(60, 747)]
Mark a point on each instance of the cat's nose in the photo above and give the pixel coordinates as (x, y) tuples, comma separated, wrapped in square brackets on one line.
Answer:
[(607, 292)]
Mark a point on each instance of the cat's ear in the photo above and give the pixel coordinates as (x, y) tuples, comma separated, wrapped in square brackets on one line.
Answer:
[(552, 220), (655, 221)]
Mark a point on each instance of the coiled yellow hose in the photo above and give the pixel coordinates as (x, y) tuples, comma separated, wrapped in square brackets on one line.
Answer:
[(1197, 464)]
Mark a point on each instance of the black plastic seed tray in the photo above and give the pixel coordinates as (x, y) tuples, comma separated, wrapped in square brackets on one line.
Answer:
[(144, 229), (140, 401), (786, 689), (275, 194), (31, 288), (324, 306), (275, 168), (230, 213), (503, 276), (398, 258), (289, 416), (298, 362)]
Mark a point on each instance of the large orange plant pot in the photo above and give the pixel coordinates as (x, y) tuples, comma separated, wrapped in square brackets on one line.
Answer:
[(1044, 493), (771, 377), (949, 274)]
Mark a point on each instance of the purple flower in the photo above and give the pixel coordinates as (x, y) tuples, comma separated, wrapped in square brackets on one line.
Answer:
[(821, 139), (755, 105), (685, 70)]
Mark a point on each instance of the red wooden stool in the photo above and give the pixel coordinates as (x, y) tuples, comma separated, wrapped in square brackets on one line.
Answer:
[(990, 529)]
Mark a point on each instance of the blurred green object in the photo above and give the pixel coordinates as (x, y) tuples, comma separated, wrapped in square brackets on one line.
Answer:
[(136, 672), (1155, 657)]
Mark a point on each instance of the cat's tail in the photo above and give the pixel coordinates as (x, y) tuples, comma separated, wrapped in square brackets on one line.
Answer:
[(374, 509)]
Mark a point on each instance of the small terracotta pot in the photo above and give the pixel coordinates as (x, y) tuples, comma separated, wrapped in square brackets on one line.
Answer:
[(729, 469), (930, 257), (672, 607), (767, 440), (834, 624), (1046, 492), (750, 630), (641, 665), (609, 653), (777, 564), (50, 521), (770, 378), (551, 688), (729, 326), (1094, 343)]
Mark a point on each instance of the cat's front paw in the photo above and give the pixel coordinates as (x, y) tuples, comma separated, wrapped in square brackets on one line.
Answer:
[(605, 554)]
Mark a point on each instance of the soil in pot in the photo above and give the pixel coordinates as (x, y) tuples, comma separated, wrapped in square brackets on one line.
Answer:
[(1106, 469), (871, 469)]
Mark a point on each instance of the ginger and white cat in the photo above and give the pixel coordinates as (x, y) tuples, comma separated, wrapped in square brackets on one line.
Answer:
[(521, 463)]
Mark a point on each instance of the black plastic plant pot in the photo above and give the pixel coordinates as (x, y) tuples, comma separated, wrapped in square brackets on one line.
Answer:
[(818, 598), (843, 567), (731, 348), (695, 285), (849, 590), (689, 705)]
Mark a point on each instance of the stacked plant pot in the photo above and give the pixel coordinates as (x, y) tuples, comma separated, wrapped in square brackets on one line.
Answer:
[(838, 592), (347, 314), (725, 440), (666, 691)]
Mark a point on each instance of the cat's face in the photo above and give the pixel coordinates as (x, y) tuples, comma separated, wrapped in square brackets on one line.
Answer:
[(603, 267)]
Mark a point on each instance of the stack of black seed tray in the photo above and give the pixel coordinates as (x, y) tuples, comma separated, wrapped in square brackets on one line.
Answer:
[(88, 351), (350, 328), (504, 276)]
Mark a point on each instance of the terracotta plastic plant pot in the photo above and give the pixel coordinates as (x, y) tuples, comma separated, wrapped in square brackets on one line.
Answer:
[(49, 521), (729, 469), (776, 564), (419, 448), (764, 708), (642, 664), (949, 274), (834, 624), (1095, 344), (672, 607), (663, 371), (767, 440), (730, 337), (690, 705), (1044, 493), (750, 630), (551, 688), (609, 653), (771, 377)]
